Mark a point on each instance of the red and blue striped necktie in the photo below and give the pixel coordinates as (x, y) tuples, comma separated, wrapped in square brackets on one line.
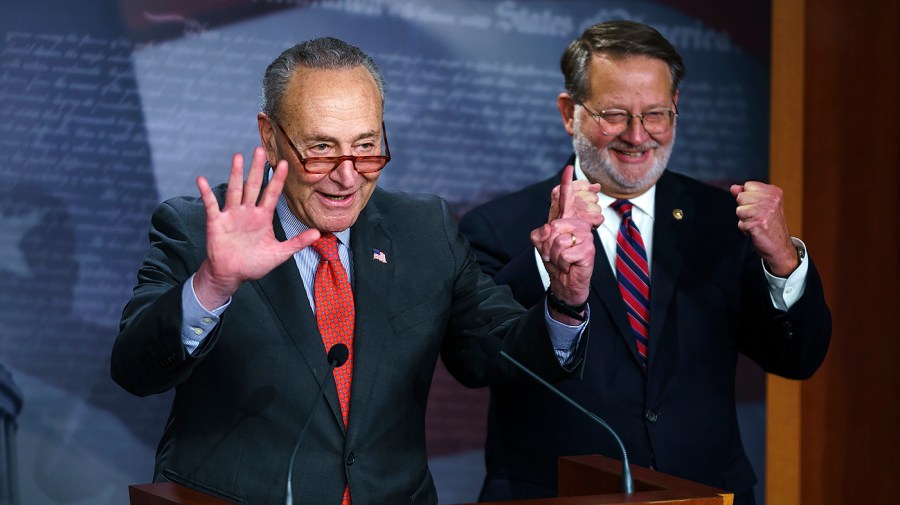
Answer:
[(633, 273)]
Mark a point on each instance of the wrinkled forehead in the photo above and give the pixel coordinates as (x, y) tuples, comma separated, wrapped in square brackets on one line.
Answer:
[(628, 76), (317, 96)]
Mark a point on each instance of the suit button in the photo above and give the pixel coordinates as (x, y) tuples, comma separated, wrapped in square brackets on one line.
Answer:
[(351, 458), (651, 416), (788, 329)]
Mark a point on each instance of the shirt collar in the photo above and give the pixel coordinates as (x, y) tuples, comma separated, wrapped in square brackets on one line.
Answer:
[(293, 226)]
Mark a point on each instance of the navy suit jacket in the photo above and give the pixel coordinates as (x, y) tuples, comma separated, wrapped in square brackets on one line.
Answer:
[(242, 398), (709, 302)]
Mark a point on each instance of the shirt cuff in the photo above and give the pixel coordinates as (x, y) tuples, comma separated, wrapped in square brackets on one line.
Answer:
[(785, 292), (542, 270), (565, 338), (196, 321)]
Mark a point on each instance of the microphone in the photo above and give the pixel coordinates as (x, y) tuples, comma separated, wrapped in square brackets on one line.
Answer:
[(627, 482), (337, 356)]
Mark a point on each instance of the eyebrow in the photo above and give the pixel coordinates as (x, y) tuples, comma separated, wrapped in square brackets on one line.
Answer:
[(318, 137)]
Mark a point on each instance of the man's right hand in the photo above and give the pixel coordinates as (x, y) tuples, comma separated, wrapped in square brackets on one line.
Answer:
[(240, 240), (566, 246)]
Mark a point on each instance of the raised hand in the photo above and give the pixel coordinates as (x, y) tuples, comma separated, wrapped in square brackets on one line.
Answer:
[(760, 215), (240, 241), (585, 203), (566, 245)]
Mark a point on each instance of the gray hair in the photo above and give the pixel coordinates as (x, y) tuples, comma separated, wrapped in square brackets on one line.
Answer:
[(618, 39), (322, 53)]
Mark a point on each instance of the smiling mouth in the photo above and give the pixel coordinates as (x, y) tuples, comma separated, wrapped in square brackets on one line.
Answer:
[(634, 151), (336, 198)]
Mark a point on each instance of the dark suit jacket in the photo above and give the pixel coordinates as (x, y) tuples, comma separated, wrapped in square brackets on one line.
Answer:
[(709, 302), (242, 399)]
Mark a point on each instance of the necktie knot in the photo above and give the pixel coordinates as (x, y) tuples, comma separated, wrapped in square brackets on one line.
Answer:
[(623, 207), (327, 247)]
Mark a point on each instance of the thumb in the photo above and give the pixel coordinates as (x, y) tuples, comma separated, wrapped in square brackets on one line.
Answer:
[(304, 239)]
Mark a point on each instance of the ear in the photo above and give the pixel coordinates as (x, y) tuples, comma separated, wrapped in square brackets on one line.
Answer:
[(566, 106), (675, 98), (267, 138)]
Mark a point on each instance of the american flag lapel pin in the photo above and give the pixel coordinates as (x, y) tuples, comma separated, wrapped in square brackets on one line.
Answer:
[(379, 256)]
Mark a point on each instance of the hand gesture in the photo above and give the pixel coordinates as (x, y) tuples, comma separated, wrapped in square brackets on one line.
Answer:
[(585, 203), (240, 241), (760, 215), (566, 245)]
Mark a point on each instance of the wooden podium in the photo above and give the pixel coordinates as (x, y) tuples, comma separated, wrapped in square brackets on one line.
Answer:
[(583, 480), (597, 480), (168, 493)]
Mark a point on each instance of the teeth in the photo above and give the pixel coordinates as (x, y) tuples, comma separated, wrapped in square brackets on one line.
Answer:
[(632, 154), (337, 197)]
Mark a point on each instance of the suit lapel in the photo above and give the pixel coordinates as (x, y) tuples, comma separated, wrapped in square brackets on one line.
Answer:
[(674, 220), (283, 288), (372, 330)]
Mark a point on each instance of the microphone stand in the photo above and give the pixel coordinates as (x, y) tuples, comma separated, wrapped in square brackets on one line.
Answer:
[(627, 482), (337, 356)]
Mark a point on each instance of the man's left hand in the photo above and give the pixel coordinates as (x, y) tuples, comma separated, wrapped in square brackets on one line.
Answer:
[(760, 215)]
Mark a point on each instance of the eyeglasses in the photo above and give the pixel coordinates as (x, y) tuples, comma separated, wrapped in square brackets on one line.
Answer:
[(325, 164), (616, 121)]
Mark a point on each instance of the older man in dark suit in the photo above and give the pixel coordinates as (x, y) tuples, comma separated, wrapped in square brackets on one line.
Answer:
[(244, 291), (689, 277)]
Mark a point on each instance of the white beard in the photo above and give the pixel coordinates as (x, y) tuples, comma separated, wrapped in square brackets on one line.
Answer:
[(599, 167)]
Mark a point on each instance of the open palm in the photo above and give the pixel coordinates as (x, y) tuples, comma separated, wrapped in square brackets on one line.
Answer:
[(241, 243)]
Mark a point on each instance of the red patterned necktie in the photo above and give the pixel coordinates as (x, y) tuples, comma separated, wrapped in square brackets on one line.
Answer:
[(335, 316), (633, 273)]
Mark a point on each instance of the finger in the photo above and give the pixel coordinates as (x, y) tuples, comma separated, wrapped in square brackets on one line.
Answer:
[(754, 186), (582, 251), (235, 182), (756, 198), (592, 214), (275, 186), (209, 200), (554, 204), (744, 212), (577, 253), (303, 239), (566, 193), (255, 177), (588, 197), (736, 189), (561, 240), (545, 247), (539, 238)]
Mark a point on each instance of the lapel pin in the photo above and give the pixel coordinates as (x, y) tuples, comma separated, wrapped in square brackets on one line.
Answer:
[(379, 256), (678, 214)]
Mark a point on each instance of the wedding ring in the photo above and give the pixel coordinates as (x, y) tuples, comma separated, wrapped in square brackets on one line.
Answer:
[(574, 240)]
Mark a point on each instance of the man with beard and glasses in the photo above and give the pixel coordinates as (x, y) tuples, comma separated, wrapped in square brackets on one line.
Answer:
[(691, 277)]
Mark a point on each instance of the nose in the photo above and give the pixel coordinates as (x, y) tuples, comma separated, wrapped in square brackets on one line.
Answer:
[(635, 133), (344, 174)]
